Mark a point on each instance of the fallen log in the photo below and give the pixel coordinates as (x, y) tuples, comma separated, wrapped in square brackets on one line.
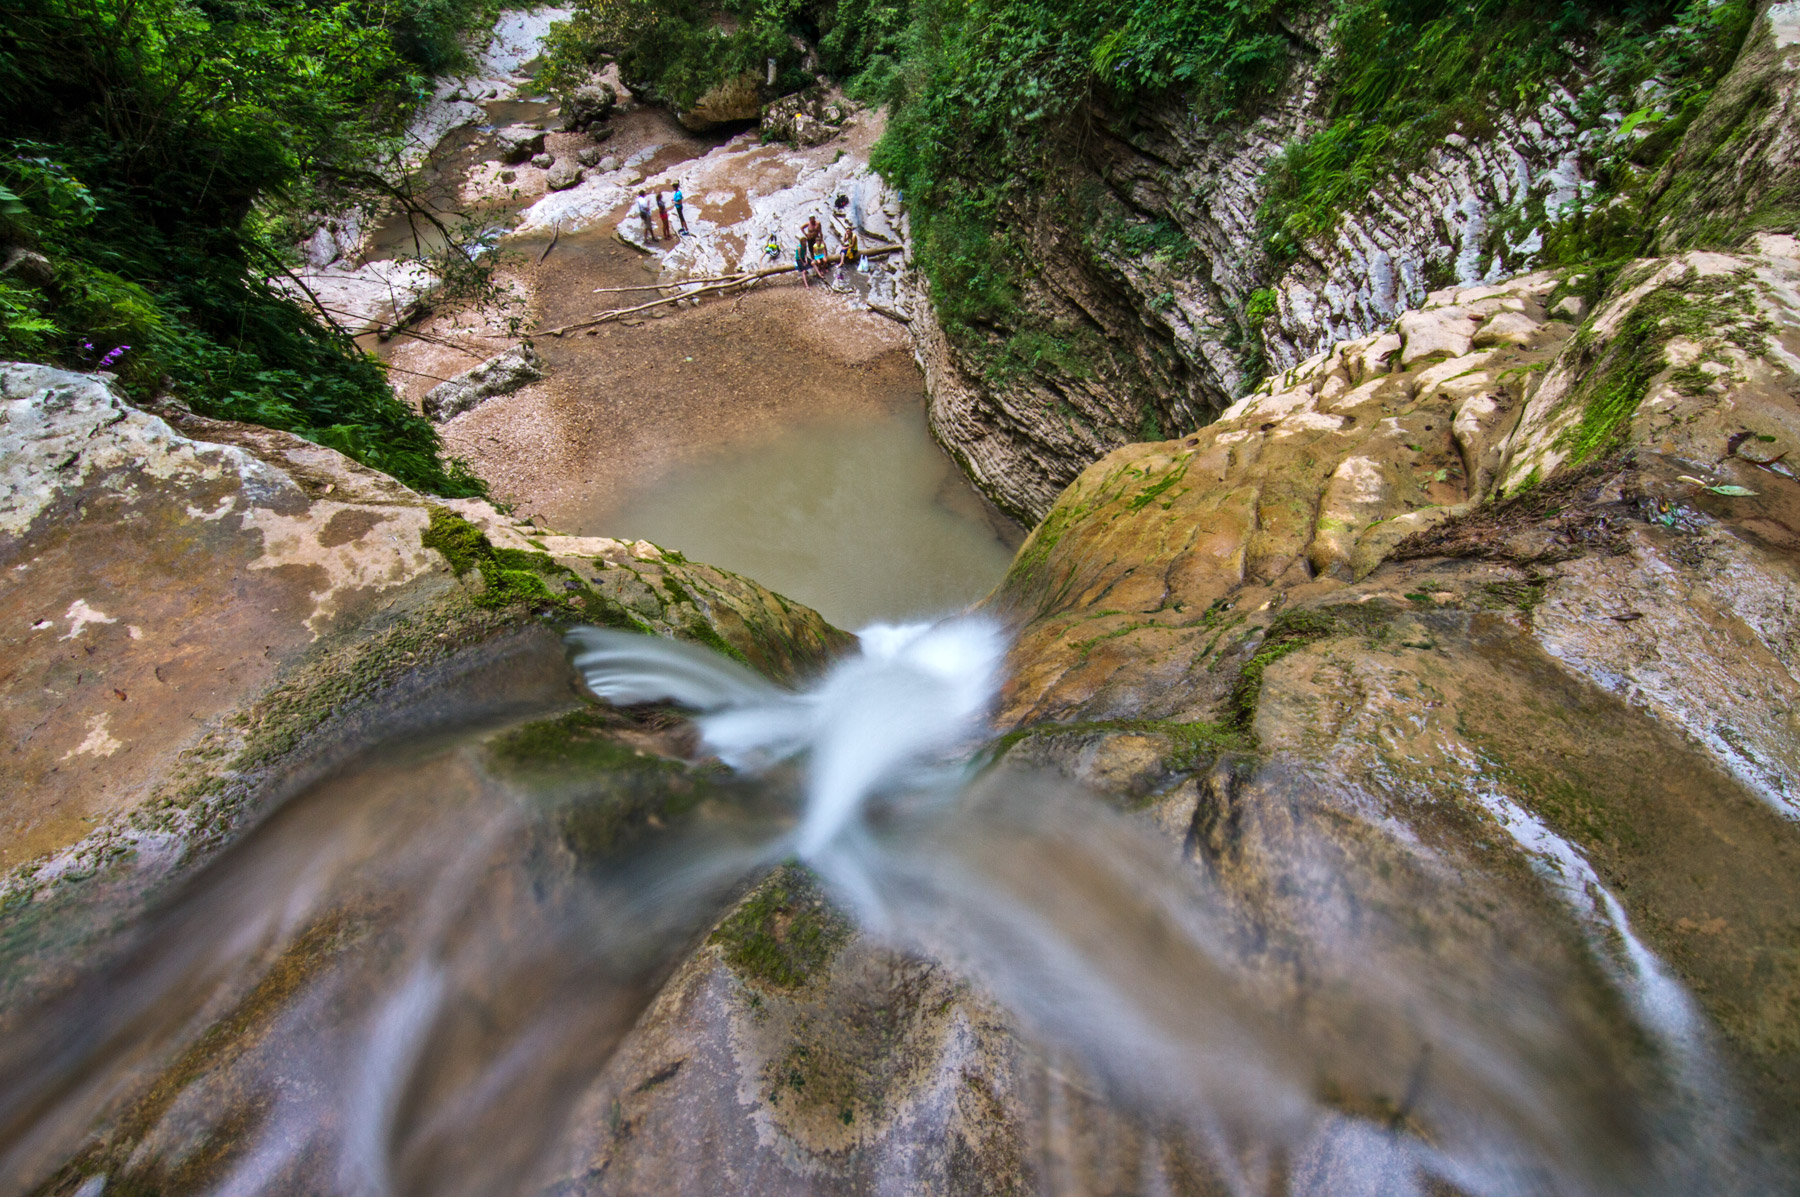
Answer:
[(723, 283)]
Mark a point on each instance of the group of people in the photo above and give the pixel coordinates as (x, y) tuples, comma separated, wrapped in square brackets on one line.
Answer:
[(810, 254), (662, 211)]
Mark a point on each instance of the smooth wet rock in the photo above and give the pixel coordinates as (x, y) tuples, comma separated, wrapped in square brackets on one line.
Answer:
[(499, 375), (517, 143), (1436, 333), (181, 597)]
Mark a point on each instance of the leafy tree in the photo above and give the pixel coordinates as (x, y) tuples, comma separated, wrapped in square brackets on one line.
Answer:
[(149, 147)]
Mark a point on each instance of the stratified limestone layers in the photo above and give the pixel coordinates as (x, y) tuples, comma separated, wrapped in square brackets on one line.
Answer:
[(1156, 338), (1164, 332)]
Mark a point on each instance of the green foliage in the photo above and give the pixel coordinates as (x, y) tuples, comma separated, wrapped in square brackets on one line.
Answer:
[(984, 91), (784, 932), (141, 147), (1405, 73), (675, 50)]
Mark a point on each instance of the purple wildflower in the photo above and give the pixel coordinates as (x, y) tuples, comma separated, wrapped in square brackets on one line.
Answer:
[(113, 356)]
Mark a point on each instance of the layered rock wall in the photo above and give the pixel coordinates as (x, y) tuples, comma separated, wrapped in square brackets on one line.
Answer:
[(1168, 332)]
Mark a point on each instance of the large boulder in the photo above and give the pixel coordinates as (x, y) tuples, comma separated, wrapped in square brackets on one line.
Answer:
[(367, 298), (564, 175), (517, 143), (729, 102), (808, 118), (29, 267), (187, 603), (499, 375), (588, 106), (1473, 607)]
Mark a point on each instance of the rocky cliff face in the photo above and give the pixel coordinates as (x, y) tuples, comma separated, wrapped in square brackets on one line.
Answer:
[(1147, 260)]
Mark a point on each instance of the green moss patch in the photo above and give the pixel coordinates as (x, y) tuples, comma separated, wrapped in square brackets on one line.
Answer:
[(1291, 632), (1192, 746), (1710, 312), (785, 932), (516, 576)]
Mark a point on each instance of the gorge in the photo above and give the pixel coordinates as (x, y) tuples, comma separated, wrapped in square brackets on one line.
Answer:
[(1368, 765)]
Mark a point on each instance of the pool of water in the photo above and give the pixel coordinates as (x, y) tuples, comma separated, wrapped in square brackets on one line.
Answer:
[(862, 519)]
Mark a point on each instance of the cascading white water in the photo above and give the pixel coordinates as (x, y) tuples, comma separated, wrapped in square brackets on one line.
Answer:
[(914, 691), (450, 979), (1107, 947)]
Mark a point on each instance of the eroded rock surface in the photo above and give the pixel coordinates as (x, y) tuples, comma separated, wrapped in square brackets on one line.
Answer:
[(739, 98), (185, 603), (1489, 602)]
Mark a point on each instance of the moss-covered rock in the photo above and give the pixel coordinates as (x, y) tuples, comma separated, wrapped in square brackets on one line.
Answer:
[(1737, 169)]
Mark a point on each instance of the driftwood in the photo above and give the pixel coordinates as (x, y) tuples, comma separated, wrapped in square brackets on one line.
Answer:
[(683, 282), (723, 282)]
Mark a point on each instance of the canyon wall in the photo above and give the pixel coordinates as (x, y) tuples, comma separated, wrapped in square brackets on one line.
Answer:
[(1147, 257)]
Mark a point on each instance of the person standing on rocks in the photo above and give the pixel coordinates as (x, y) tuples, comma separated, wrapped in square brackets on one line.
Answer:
[(680, 210), (803, 258), (811, 233), (662, 210), (643, 210)]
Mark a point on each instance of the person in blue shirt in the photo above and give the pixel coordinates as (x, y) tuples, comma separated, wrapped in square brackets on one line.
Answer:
[(679, 214)]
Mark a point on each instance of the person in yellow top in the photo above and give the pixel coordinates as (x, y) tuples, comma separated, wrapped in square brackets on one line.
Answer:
[(852, 250)]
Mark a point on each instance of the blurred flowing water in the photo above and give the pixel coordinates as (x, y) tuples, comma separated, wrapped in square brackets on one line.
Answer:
[(403, 980)]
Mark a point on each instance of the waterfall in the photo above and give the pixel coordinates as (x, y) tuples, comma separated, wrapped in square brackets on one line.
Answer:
[(430, 980)]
